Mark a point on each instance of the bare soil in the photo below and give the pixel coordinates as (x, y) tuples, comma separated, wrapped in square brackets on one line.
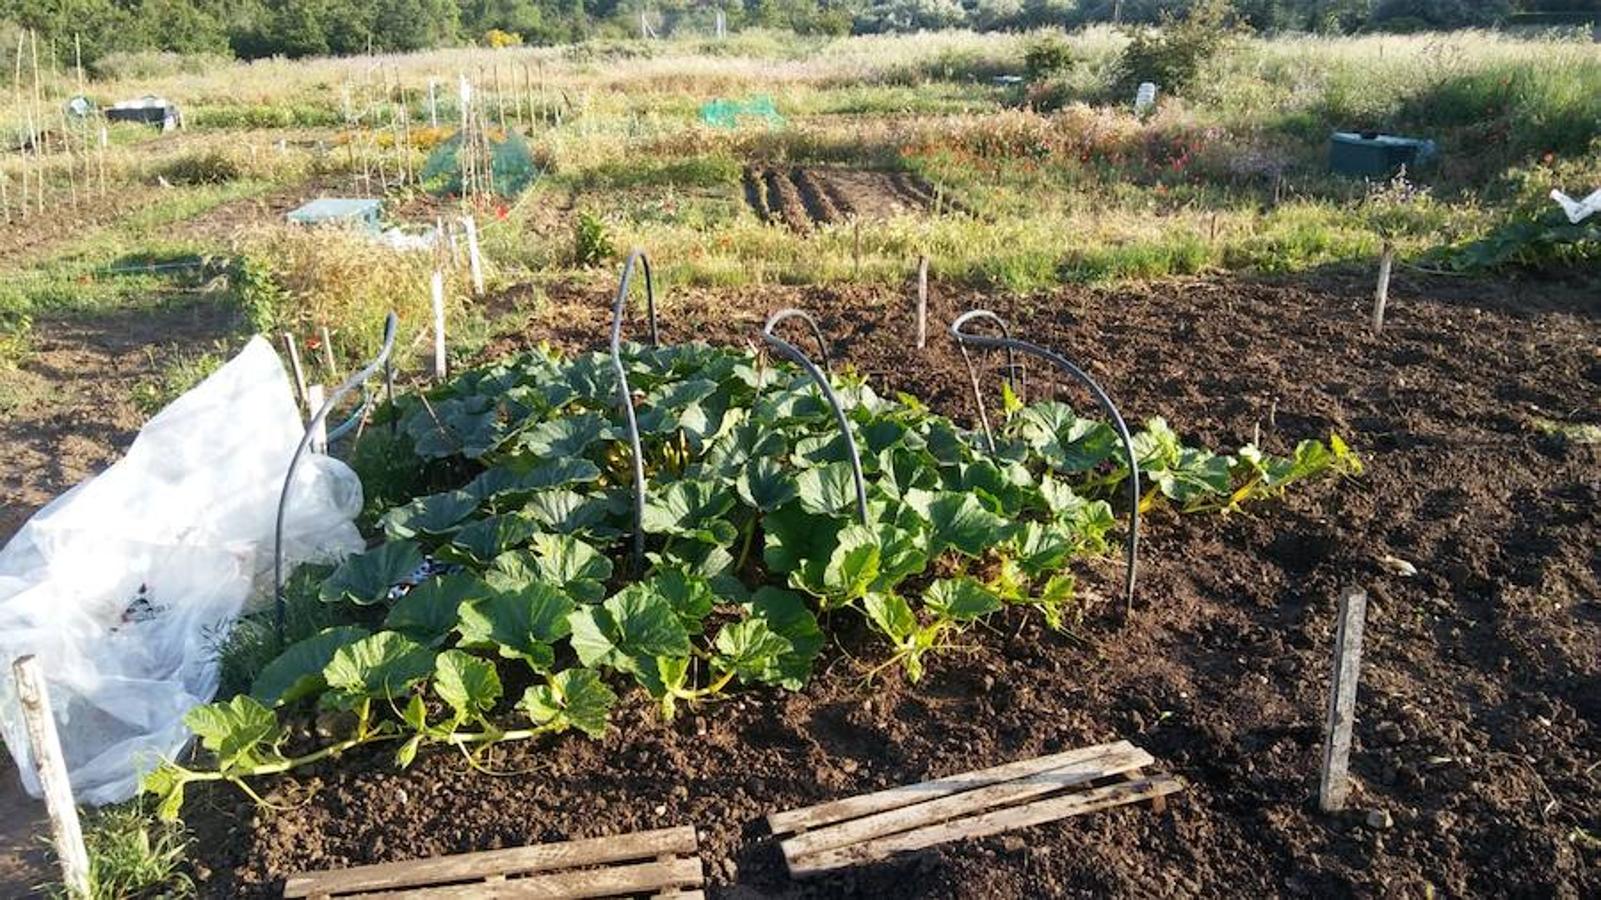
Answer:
[(803, 197), (1479, 719)]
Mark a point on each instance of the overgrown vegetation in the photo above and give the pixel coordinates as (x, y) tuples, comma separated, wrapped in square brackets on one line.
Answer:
[(133, 856)]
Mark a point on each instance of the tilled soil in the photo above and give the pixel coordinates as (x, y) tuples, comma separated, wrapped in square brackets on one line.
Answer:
[(1478, 718), (803, 197)]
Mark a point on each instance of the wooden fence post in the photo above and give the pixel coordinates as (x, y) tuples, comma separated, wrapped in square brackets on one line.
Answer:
[(1335, 781), (44, 745), (295, 368)]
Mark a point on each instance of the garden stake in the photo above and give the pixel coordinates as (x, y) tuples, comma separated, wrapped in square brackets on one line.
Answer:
[(1381, 293), (438, 290), (320, 417), (793, 354), (1334, 782), (50, 766), (328, 351), (922, 302), (294, 366), (319, 428), (473, 260), (625, 395), (1009, 343)]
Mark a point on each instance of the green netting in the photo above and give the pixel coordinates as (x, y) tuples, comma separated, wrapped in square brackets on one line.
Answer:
[(509, 158), (724, 113)]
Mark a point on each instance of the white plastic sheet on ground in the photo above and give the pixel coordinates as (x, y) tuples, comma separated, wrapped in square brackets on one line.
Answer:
[(126, 585)]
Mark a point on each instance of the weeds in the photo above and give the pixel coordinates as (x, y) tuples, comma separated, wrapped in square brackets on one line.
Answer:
[(133, 856), (592, 244)]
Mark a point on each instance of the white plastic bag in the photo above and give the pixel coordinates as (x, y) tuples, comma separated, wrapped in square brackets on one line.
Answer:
[(126, 585)]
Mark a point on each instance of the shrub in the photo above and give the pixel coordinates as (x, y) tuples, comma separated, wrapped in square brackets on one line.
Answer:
[(1047, 57), (496, 38), (202, 167), (1172, 57)]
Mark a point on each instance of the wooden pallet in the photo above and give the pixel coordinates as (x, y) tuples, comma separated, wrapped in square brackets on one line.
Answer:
[(661, 863), (974, 804)]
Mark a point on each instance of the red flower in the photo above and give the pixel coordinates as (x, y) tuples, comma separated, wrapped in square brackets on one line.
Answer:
[(500, 211)]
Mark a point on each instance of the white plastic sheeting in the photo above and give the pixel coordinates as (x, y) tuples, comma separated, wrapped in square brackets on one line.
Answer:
[(126, 585)]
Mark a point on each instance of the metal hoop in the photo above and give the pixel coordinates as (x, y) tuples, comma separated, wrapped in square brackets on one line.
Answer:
[(962, 338), (345, 387), (625, 396), (793, 354)]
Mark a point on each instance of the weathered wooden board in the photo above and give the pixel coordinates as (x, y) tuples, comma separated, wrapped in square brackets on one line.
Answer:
[(974, 804), (625, 864)]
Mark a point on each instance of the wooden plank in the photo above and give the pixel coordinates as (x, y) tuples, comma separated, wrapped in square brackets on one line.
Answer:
[(681, 895), (1006, 793), (1159, 802), (1039, 812), (510, 861), (894, 798), (608, 882), (1334, 781)]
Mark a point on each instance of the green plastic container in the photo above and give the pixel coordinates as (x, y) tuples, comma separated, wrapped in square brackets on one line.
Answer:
[(1370, 154)]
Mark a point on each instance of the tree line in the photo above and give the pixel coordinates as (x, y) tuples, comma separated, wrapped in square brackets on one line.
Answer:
[(92, 29)]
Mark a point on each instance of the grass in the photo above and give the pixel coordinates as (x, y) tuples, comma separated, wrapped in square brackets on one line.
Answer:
[(132, 855), (175, 375)]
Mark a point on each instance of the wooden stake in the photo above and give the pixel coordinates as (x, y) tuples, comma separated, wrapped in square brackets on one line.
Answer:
[(1381, 293), (922, 302), (1335, 783), (294, 366), (328, 353), (44, 745), (319, 426), (439, 325), (473, 260)]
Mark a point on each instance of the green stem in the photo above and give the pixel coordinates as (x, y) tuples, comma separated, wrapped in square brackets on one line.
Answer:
[(744, 548)]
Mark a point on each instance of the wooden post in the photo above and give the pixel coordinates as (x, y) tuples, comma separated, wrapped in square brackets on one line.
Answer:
[(473, 261), (44, 745), (433, 105), (1381, 293), (319, 427), (1334, 784), (328, 353), (439, 324), (294, 366), (922, 302)]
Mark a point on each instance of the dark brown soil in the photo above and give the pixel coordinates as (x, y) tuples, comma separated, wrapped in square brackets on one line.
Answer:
[(1479, 724), (803, 197)]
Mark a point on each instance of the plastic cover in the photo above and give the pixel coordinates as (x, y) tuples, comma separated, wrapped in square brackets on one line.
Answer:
[(126, 586)]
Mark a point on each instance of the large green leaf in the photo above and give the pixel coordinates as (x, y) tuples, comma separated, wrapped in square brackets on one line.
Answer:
[(794, 537), (751, 649), (961, 599), (851, 569), (504, 487), (827, 490), (576, 698), (628, 631), (1042, 548), (470, 685), (480, 542), (959, 522), (366, 578), (890, 614), (690, 508), (764, 484), (565, 438), (240, 732), (434, 515), (519, 624), (297, 671), (786, 614), (1198, 473), (569, 512), (383, 666), (429, 611), (562, 559), (691, 596)]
